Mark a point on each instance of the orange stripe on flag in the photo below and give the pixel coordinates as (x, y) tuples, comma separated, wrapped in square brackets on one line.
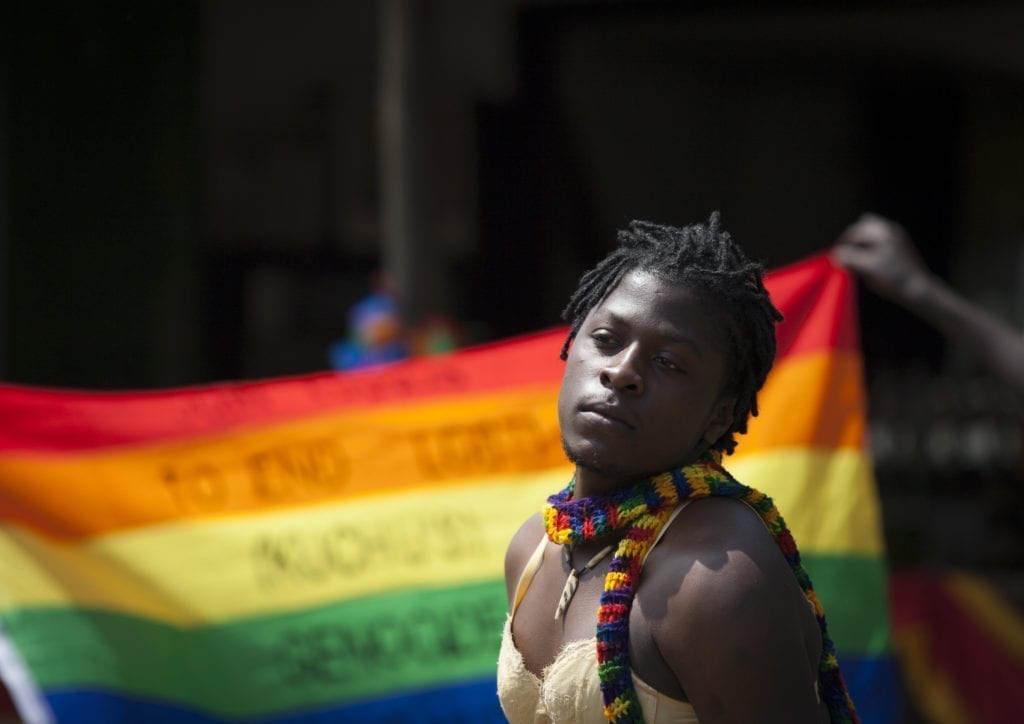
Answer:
[(328, 458), (813, 400)]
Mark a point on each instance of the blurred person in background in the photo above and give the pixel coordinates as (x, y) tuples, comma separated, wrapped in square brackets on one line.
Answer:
[(881, 253)]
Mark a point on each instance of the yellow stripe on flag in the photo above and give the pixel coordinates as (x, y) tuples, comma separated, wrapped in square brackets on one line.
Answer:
[(827, 497), (217, 570)]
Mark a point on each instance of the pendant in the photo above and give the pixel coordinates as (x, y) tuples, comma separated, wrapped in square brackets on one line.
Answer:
[(571, 583)]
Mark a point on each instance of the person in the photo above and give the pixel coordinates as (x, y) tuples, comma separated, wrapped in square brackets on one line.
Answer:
[(376, 334), (881, 253), (671, 337)]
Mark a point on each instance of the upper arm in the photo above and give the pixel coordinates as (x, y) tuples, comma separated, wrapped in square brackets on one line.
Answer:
[(735, 630), (522, 545), (998, 345)]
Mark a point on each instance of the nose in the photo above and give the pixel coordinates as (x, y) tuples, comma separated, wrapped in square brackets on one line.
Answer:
[(622, 372)]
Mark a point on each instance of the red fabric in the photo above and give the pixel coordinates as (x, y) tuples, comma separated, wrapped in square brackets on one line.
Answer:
[(817, 298), (988, 679), (7, 710), (41, 420)]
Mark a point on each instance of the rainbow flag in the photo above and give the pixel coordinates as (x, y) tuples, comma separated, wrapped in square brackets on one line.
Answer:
[(330, 548)]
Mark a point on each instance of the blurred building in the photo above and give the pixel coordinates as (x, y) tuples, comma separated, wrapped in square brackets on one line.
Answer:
[(196, 191)]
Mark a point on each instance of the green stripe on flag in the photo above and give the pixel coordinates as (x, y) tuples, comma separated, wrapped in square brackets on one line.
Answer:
[(853, 591), (349, 651)]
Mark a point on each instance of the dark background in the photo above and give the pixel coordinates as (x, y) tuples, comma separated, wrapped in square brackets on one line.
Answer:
[(194, 192)]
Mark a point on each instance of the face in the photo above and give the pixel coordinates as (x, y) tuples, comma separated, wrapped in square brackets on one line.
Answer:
[(642, 390)]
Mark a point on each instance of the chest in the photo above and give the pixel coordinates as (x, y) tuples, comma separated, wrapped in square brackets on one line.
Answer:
[(540, 637)]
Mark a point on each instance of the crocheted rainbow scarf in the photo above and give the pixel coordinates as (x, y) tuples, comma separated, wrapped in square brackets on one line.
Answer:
[(642, 510)]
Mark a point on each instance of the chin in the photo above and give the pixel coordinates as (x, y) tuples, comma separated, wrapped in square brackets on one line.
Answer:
[(581, 458), (598, 461)]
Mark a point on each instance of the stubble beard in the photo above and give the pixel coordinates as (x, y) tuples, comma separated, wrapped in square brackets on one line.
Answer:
[(594, 463), (591, 462)]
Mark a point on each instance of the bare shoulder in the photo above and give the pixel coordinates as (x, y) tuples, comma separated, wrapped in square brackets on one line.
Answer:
[(712, 531), (520, 548), (723, 560), (732, 604)]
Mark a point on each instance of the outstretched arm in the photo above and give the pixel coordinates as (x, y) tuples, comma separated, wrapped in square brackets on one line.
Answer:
[(882, 253)]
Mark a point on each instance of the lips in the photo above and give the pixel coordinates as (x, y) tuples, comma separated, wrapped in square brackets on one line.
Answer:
[(608, 413)]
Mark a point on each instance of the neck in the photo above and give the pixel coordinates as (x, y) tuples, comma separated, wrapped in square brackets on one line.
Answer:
[(592, 482)]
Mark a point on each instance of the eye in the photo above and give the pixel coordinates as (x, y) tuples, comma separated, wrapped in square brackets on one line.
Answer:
[(667, 363), (603, 339)]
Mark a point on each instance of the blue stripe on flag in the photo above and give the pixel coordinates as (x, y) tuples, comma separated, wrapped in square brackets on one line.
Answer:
[(474, 702), (874, 685), (99, 707)]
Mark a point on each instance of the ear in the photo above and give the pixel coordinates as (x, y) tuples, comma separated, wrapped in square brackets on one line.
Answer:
[(721, 418)]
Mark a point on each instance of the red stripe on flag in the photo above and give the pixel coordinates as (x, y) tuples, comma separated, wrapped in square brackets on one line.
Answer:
[(43, 420), (817, 298)]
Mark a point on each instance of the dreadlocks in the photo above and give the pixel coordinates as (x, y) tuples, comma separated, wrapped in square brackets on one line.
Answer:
[(707, 260)]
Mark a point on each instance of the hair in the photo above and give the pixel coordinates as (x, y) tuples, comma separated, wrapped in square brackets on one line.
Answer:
[(705, 259)]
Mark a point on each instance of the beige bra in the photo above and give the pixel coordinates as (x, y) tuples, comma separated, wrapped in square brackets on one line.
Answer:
[(570, 690)]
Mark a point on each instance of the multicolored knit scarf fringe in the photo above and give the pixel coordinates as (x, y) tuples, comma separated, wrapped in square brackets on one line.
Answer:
[(642, 510)]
